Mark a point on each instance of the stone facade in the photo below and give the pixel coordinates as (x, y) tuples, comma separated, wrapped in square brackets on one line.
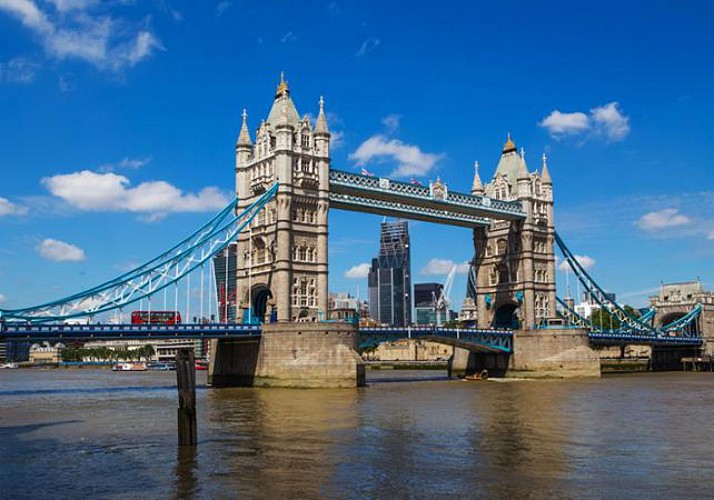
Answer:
[(515, 261), (286, 245), (677, 299)]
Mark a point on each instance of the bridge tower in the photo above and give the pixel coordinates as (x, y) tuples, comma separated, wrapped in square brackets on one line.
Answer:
[(281, 269), (514, 260)]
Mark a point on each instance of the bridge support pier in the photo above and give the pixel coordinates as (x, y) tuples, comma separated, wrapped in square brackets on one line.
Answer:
[(465, 363), (300, 355), (553, 353)]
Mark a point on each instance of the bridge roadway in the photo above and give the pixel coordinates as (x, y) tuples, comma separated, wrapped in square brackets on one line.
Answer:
[(499, 341)]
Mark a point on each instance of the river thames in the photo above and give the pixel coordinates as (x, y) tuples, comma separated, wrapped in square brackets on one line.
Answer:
[(97, 434)]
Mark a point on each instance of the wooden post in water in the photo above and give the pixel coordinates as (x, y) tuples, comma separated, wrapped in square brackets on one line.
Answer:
[(186, 378)]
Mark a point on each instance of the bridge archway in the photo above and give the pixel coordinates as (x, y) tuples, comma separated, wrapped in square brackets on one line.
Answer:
[(691, 328), (260, 296), (506, 316)]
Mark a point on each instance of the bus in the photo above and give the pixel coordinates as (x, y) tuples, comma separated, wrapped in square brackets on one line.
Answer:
[(155, 317)]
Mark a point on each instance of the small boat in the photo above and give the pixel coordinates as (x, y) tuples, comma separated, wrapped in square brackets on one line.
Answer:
[(9, 366), (160, 366), (129, 367), (482, 375), (201, 365)]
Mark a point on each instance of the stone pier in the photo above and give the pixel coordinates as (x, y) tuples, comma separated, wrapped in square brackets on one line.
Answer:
[(548, 353), (300, 355)]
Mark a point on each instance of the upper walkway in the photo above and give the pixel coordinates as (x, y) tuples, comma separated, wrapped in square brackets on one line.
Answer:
[(434, 203)]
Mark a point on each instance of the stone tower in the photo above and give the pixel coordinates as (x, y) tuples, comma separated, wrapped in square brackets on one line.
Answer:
[(514, 261), (281, 271)]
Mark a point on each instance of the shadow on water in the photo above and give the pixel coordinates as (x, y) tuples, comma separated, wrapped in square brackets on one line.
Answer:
[(186, 472), (12, 431), (93, 390), (392, 380)]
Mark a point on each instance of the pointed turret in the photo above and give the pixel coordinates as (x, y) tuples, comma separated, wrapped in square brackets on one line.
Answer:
[(510, 163), (244, 135), (321, 125), (522, 169), (545, 174), (283, 109), (476, 187)]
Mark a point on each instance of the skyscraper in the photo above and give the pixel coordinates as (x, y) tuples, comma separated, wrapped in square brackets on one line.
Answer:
[(390, 276)]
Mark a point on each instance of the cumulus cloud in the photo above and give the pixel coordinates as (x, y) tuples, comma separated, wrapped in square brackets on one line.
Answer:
[(559, 123), (669, 217), (368, 46), (411, 160), (88, 190), (59, 251), (72, 30), (9, 208), (585, 261), (18, 70), (443, 266), (357, 272), (607, 121)]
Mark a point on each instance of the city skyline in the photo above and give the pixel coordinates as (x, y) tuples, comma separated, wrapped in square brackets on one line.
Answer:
[(111, 155)]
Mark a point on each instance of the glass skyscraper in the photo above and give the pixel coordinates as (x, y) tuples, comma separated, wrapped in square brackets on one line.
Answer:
[(390, 277)]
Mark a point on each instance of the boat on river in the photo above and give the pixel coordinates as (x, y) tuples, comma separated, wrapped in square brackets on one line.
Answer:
[(9, 366), (129, 367)]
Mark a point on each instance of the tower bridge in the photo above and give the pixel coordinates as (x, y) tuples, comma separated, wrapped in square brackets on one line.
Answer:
[(278, 229)]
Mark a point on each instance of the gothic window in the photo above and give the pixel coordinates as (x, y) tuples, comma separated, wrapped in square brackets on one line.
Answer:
[(302, 253), (492, 277), (303, 292), (501, 247), (305, 139), (309, 254), (503, 276), (295, 215)]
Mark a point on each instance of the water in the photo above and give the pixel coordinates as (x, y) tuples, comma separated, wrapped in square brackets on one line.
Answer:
[(98, 434)]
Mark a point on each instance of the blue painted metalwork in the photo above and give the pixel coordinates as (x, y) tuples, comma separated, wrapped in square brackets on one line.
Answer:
[(487, 340), (371, 194), (38, 332), (152, 277)]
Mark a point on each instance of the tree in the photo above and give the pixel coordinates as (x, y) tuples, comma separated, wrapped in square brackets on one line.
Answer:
[(603, 319)]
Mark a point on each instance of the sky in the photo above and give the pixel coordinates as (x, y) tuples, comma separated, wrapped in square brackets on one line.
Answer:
[(118, 121)]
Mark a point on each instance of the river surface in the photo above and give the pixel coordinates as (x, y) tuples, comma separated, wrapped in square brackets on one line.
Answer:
[(89, 433)]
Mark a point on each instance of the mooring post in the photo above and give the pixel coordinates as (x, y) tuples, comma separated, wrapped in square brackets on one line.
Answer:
[(186, 378)]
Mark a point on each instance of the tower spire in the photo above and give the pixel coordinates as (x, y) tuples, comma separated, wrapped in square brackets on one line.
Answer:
[(321, 125), (244, 135), (510, 145), (545, 174), (282, 86), (477, 186)]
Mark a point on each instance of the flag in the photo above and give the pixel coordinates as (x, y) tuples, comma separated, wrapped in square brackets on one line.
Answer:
[(367, 172)]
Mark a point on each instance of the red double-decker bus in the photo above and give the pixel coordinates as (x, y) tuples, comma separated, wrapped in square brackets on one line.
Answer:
[(155, 318)]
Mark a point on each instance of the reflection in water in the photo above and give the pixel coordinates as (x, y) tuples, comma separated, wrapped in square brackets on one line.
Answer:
[(91, 433)]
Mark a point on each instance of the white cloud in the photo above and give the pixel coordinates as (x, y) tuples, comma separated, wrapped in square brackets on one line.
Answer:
[(9, 208), (410, 158), (357, 272), (71, 31), (222, 6), (559, 123), (59, 251), (125, 163), (606, 121), (18, 70), (585, 261), (368, 45), (443, 266), (288, 37), (2, 298), (391, 122), (609, 121), (88, 190), (710, 236), (669, 217)]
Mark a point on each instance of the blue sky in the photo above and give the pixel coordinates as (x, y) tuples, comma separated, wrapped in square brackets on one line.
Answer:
[(138, 104)]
